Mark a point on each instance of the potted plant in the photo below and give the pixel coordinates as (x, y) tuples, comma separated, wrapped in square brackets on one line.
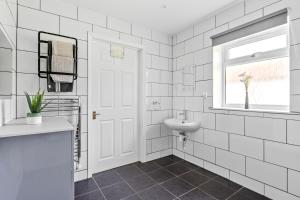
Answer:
[(246, 79), (35, 107)]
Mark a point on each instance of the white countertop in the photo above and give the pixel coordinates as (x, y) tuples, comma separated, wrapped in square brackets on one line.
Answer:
[(19, 127)]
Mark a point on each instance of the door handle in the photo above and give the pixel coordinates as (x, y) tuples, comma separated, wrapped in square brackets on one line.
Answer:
[(95, 114)]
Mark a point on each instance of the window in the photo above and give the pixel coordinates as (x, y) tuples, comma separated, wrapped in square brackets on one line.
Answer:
[(258, 51), (265, 58)]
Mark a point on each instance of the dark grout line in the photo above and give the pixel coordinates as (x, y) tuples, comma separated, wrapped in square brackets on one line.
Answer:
[(99, 188), (107, 186), (125, 181), (207, 193), (160, 184), (85, 193), (234, 193), (129, 184)]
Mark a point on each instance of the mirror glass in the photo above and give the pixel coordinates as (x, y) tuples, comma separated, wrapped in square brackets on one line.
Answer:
[(6, 65)]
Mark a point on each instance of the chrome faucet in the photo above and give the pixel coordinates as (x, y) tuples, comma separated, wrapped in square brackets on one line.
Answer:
[(183, 114)]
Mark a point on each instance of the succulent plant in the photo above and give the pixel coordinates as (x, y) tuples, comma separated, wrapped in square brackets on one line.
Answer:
[(35, 103)]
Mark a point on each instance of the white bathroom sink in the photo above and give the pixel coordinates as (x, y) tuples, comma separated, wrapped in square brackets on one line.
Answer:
[(182, 125)]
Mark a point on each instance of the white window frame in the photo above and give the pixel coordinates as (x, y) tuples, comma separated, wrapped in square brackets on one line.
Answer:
[(258, 56)]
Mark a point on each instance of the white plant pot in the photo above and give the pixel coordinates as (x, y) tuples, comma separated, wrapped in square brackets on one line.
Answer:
[(34, 118)]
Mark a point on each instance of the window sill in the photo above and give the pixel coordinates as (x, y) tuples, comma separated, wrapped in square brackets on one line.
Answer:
[(255, 110)]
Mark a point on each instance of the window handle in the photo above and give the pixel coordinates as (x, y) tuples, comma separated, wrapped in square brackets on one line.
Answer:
[(255, 54)]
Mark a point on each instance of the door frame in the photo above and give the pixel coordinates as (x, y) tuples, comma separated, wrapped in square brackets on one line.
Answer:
[(141, 107)]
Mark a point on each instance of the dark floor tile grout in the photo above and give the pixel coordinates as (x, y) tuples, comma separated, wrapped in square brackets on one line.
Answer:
[(137, 192), (177, 178), (99, 188), (152, 162), (107, 186), (196, 188), (174, 162), (187, 192), (207, 193), (213, 179), (156, 183), (161, 184), (209, 178), (85, 193), (234, 193), (133, 165), (132, 195), (203, 183), (175, 174), (168, 190), (129, 184)]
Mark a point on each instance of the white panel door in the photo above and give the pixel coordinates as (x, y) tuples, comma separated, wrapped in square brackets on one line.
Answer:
[(114, 99)]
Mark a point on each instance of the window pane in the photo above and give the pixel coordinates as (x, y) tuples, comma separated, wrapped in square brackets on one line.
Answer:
[(269, 85), (269, 44)]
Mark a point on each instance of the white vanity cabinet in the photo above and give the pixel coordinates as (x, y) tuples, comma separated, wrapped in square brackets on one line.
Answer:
[(36, 161)]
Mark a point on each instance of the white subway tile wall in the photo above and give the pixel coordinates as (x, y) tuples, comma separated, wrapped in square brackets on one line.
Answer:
[(246, 18), (247, 146), (247, 182), (91, 17), (118, 25), (230, 123), (266, 128), (277, 194), (267, 173), (293, 128), (106, 32), (282, 154), (66, 19), (204, 26), (255, 149), (230, 14), (30, 3), (37, 20), (216, 138), (254, 5), (216, 169), (204, 152), (231, 161), (141, 31), (59, 8), (294, 182)]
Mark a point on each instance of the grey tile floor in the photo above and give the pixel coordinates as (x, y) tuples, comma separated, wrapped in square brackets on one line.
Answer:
[(163, 179)]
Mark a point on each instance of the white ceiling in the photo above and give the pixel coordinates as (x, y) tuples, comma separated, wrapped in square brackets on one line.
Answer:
[(177, 15)]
